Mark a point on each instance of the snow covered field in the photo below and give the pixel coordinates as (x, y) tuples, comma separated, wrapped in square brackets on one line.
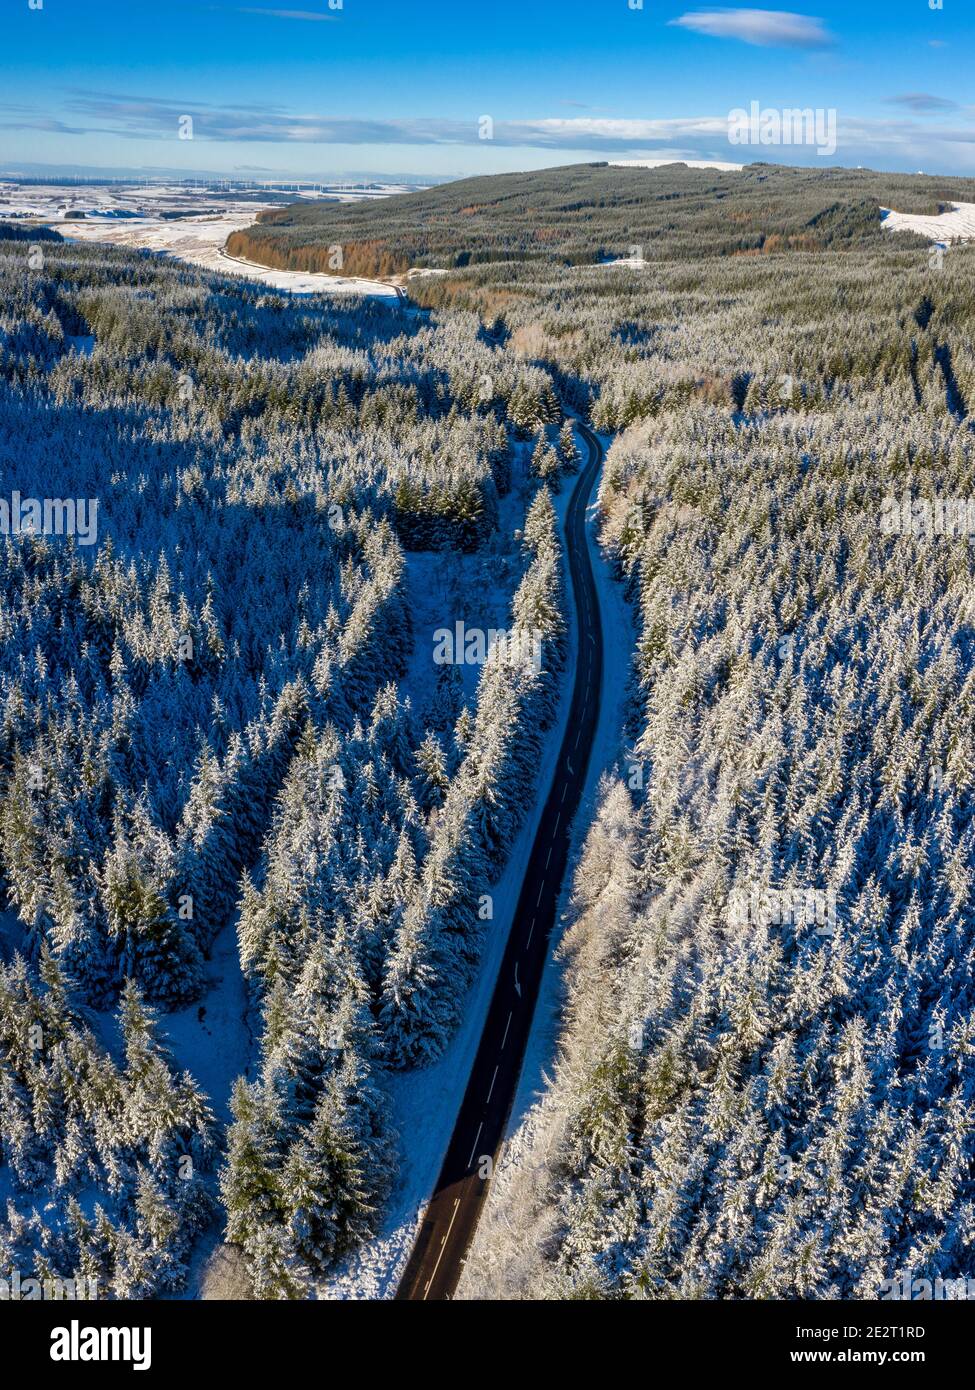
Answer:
[(956, 225), (165, 219)]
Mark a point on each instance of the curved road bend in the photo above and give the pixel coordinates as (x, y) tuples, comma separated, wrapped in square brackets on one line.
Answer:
[(434, 1267)]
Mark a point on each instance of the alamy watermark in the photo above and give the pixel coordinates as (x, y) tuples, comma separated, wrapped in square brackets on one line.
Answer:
[(788, 126), (473, 646), (905, 1286), (77, 1343), (17, 1289), (50, 516), (775, 907), (928, 516)]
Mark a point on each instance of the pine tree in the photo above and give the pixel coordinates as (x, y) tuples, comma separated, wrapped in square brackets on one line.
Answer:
[(568, 452), (431, 761), (249, 1183), (148, 940), (415, 1013)]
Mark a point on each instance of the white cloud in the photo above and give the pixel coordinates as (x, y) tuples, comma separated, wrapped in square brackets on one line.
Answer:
[(924, 101), (765, 28), (913, 137)]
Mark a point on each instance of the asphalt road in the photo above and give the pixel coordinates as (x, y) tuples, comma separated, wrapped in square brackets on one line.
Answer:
[(435, 1264)]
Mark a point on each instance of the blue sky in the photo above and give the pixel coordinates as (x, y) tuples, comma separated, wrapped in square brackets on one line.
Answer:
[(400, 86)]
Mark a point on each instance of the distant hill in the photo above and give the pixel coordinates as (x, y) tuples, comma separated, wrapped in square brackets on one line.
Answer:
[(581, 214)]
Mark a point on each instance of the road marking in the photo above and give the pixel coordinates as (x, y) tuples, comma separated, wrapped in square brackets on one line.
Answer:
[(530, 930), (517, 985), (507, 1025), (540, 892), (491, 1088), (564, 790), (558, 817), (547, 860), (579, 734), (476, 1137), (444, 1245)]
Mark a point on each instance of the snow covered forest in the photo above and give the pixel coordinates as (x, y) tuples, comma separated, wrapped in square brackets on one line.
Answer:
[(221, 718), (583, 214), (769, 1104), (224, 721)]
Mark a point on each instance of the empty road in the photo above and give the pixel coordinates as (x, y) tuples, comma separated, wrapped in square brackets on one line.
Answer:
[(435, 1264)]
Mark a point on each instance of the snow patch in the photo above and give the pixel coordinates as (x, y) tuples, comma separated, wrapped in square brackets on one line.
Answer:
[(210, 1038), (628, 262), (945, 227)]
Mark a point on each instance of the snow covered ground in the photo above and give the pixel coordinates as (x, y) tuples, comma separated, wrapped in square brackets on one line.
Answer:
[(211, 1038), (134, 217), (11, 935), (200, 241), (627, 263), (956, 225)]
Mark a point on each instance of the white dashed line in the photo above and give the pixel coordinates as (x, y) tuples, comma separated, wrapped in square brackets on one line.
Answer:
[(443, 1244)]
